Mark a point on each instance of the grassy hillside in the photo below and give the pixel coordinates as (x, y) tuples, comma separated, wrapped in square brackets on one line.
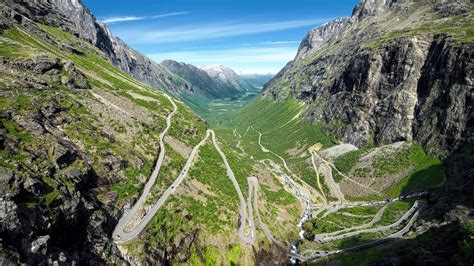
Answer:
[(216, 111), (283, 131), (64, 137), (111, 128)]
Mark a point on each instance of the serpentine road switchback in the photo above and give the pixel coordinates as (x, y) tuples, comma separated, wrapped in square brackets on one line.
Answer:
[(252, 236), (121, 234), (327, 167), (247, 228)]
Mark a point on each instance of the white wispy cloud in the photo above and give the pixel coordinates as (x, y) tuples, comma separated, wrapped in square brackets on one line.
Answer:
[(280, 42), (110, 20), (238, 55), (243, 59), (225, 29)]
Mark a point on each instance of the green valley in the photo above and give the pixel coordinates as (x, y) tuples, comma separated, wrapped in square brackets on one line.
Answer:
[(357, 152)]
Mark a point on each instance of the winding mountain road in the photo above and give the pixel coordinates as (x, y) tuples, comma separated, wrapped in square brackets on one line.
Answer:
[(305, 197), (244, 216), (399, 234), (342, 203), (130, 214), (318, 179), (377, 217), (122, 235), (333, 187)]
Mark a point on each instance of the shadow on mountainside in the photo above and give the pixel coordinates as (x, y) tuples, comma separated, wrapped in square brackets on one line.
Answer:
[(449, 244), (424, 179)]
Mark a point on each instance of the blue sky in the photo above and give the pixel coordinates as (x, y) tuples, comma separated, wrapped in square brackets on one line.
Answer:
[(258, 36)]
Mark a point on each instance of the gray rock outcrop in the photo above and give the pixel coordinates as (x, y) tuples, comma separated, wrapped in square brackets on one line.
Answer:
[(73, 17), (369, 85)]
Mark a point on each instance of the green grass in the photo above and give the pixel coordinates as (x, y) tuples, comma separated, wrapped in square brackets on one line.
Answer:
[(362, 210), (186, 127), (466, 246), (218, 111), (127, 188), (164, 226), (234, 254), (150, 105), (346, 162), (280, 124), (23, 101), (282, 130), (4, 102), (395, 211), (51, 197), (280, 197), (373, 197), (458, 27), (169, 171), (424, 171), (211, 255), (210, 170), (16, 132), (338, 221), (218, 210), (427, 172)]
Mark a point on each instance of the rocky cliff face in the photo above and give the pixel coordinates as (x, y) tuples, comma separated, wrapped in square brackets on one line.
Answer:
[(374, 78), (72, 16), (68, 120), (445, 93), (320, 36), (397, 71)]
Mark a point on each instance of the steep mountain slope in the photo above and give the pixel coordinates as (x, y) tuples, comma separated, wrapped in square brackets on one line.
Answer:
[(386, 53), (79, 141), (394, 71), (395, 80), (194, 87), (73, 17)]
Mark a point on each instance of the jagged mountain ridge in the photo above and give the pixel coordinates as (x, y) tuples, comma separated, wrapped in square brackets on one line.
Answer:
[(207, 82), (395, 71), (74, 17), (365, 86), (69, 161)]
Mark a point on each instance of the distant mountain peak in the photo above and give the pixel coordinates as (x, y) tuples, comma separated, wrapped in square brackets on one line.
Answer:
[(221, 72)]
